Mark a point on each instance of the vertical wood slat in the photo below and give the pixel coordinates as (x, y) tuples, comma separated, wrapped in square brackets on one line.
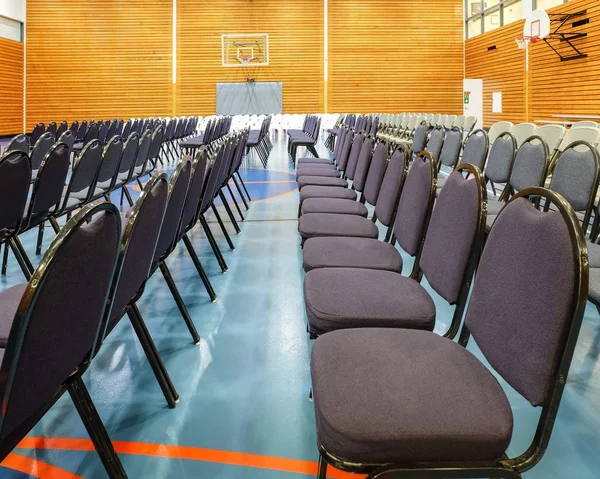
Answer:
[(295, 31), (98, 59), (11, 87), (391, 56)]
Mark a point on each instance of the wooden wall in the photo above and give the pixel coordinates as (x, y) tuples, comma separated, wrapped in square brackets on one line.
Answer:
[(502, 69), (295, 31), (550, 87), (383, 56), (98, 59), (11, 87)]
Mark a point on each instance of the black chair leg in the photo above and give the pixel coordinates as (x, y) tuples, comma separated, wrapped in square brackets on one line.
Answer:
[(127, 195), (22, 258), (179, 300), (312, 149), (55, 225), (40, 238), (322, 474), (93, 424), (235, 202), (201, 272), (237, 185), (220, 221), (229, 212), (213, 244), (5, 258), (244, 186), (158, 367)]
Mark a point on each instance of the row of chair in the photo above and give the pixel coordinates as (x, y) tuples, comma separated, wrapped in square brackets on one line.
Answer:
[(379, 373), (403, 126), (215, 129), (259, 140), (307, 136)]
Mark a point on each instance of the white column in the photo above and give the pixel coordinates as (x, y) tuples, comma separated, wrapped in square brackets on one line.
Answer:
[(174, 42)]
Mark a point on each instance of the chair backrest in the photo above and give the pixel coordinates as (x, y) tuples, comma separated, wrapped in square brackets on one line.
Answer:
[(37, 131), (212, 183), (476, 149), (389, 192), (355, 151), (85, 171), (178, 189), (454, 234), (62, 128), (195, 191), (450, 119), (91, 133), (74, 127), (138, 244), (529, 295), (435, 142), (52, 128), (420, 138), (345, 140), (586, 123), (372, 184), (112, 129), (49, 184), (584, 133), (68, 138), (552, 135), (82, 130), (15, 177), (111, 158), (469, 123), (530, 167), (363, 164), (18, 143), (498, 128), (144, 149), (575, 175), (103, 131), (130, 149), (415, 204), (501, 158), (40, 149), (451, 147), (522, 131), (126, 129), (157, 139), (460, 121), (59, 317)]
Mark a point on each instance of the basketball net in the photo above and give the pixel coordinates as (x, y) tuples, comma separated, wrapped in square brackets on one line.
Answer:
[(523, 42)]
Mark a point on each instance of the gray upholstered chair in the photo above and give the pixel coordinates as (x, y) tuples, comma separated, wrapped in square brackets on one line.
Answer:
[(435, 142), (18, 143), (500, 160), (343, 298), (406, 404), (474, 152)]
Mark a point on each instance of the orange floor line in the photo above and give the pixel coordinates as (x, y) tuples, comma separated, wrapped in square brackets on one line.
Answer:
[(35, 468), (190, 453)]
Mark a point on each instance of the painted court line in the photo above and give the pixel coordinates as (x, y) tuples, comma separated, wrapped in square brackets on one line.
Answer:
[(256, 461), (36, 468)]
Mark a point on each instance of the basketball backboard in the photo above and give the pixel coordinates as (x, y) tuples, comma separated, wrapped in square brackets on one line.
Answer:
[(245, 49)]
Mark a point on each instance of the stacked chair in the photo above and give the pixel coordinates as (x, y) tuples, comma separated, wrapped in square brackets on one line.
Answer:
[(259, 140), (215, 129), (306, 137)]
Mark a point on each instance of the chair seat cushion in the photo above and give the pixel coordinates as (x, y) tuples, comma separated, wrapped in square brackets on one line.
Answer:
[(322, 181), (392, 396), (317, 170), (351, 253), (594, 287), (593, 254), (343, 298), (314, 161), (326, 192), (335, 206), (326, 224), (9, 302)]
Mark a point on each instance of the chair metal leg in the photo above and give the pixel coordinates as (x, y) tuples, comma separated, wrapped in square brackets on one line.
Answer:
[(322, 473), (179, 300), (158, 367), (139, 182), (93, 424), (229, 212), (201, 272), (243, 185), (127, 195), (40, 238), (22, 258), (235, 202), (213, 244), (220, 221), (237, 185), (5, 258), (55, 225)]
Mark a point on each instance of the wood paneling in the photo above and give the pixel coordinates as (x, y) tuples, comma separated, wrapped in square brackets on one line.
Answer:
[(11, 87), (550, 86), (98, 59), (571, 87), (295, 31), (502, 69), (391, 56)]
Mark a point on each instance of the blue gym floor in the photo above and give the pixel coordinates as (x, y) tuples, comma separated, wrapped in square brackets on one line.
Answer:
[(243, 410)]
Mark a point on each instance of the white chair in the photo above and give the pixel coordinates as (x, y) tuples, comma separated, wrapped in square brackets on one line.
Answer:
[(580, 124), (469, 124), (552, 135), (498, 128), (522, 131), (583, 133), (459, 122), (450, 119)]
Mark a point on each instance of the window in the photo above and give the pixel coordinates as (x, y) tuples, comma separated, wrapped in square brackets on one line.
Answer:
[(546, 4), (491, 20), (474, 27), (11, 29), (512, 12)]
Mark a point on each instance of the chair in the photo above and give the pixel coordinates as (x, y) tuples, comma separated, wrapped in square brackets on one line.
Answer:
[(580, 124), (435, 142), (530, 168), (450, 151), (64, 126), (498, 128), (522, 131), (552, 136), (51, 325), (500, 160), (18, 143), (474, 152), (82, 131), (144, 163), (52, 129), (15, 177), (68, 138), (342, 298), (103, 131), (109, 168), (138, 245), (38, 130), (469, 124), (407, 404), (74, 128), (40, 150), (584, 133)]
